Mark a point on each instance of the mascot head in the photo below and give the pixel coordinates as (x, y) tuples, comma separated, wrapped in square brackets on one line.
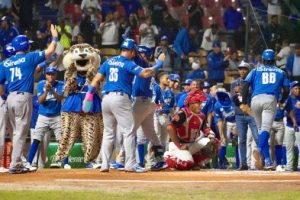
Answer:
[(82, 59)]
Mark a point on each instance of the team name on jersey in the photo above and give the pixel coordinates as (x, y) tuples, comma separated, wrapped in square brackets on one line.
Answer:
[(116, 63), (268, 69), (9, 63)]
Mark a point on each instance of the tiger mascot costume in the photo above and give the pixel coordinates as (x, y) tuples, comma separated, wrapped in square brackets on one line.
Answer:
[(82, 62)]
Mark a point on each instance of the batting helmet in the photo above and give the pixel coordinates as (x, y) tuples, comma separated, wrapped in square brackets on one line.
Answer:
[(128, 44), (21, 43), (268, 54), (146, 50), (223, 98), (174, 77), (9, 51)]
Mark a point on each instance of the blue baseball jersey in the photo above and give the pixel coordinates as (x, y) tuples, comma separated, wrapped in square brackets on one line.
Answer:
[(178, 96), (225, 113), (5, 82), (50, 107), (35, 111), (207, 105), (142, 87), (180, 103), (196, 74), (73, 102), (267, 80), (168, 100), (119, 72), (293, 104), (156, 96), (19, 71), (279, 115)]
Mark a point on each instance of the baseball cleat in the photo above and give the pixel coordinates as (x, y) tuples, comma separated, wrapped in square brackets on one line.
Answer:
[(96, 166), (55, 165), (18, 170), (258, 160), (117, 166), (136, 169), (3, 170), (159, 166)]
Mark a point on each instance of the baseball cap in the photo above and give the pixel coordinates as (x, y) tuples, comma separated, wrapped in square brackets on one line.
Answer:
[(51, 70), (187, 82), (216, 44), (174, 77), (294, 84), (164, 37), (206, 85), (244, 64)]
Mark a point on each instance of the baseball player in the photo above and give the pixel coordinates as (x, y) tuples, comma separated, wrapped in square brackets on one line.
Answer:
[(164, 109), (225, 115), (186, 88), (8, 51), (292, 133), (189, 147), (119, 72), (143, 111), (50, 95), (243, 121), (19, 73), (266, 83)]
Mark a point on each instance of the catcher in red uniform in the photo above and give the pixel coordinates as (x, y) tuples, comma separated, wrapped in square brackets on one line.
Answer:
[(193, 143)]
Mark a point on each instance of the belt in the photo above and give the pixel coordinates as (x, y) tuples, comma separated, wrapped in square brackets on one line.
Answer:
[(19, 92), (118, 93), (278, 120)]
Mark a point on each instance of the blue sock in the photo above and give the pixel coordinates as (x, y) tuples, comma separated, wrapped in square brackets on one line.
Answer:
[(141, 154), (278, 154), (222, 154), (66, 161), (263, 142), (284, 155), (33, 149), (237, 157)]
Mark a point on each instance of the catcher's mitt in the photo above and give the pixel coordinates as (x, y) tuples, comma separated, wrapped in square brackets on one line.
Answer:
[(210, 150), (246, 109)]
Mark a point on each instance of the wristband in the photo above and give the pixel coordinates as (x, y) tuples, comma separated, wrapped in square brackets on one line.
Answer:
[(55, 39), (158, 65), (91, 89), (43, 64)]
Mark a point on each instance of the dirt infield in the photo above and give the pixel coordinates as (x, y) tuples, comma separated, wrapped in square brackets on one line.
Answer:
[(84, 179)]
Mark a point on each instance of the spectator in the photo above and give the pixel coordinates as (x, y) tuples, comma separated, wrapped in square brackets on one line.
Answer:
[(65, 33), (109, 30), (163, 47), (170, 26), (195, 13), (196, 73), (132, 30), (157, 8), (148, 32), (233, 20), (87, 28), (293, 64), (283, 54), (216, 64), (274, 8), (90, 4), (210, 35), (7, 31), (132, 6), (183, 46), (75, 30), (273, 33), (292, 29)]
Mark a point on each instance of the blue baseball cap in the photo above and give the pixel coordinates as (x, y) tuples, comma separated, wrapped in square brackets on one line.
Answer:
[(174, 77), (294, 84), (187, 82), (217, 44), (51, 70), (164, 37), (206, 85)]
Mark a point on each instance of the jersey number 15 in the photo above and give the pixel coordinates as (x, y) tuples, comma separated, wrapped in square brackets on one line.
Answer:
[(15, 72), (268, 78)]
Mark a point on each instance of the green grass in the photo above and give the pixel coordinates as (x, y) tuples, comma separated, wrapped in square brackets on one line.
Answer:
[(149, 195)]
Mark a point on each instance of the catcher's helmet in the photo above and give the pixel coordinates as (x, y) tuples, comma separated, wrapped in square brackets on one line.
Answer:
[(268, 54), (21, 43)]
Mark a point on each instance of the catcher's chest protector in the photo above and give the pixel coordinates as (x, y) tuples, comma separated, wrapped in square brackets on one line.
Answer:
[(190, 129)]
